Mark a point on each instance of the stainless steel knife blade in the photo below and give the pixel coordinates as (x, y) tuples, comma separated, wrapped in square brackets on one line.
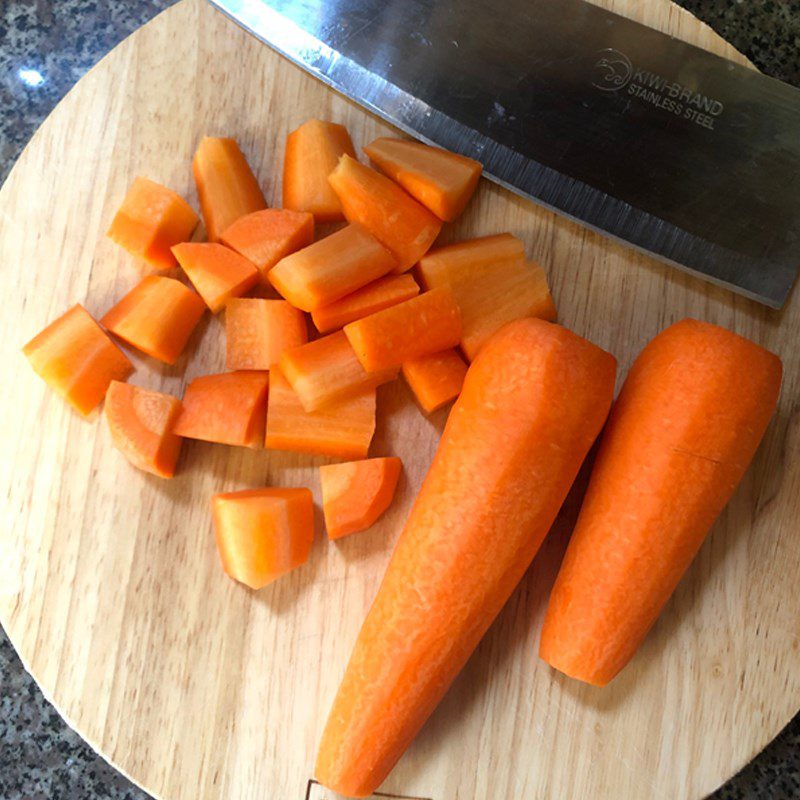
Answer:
[(632, 132)]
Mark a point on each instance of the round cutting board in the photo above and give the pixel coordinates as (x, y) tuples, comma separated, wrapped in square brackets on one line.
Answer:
[(195, 687)]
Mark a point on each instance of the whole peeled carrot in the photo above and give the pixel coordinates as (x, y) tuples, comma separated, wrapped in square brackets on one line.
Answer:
[(687, 422), (532, 404)]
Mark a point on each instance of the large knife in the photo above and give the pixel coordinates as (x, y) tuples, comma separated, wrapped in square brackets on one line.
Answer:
[(637, 134)]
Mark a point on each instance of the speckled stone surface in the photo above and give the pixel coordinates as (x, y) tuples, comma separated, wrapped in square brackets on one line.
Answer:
[(45, 47)]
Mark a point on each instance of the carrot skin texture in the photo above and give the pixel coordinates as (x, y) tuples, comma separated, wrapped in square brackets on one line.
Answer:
[(533, 402), (688, 420), (226, 185), (435, 379), (77, 359)]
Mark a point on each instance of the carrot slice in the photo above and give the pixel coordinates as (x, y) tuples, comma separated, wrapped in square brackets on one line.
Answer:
[(226, 185), (533, 402), (156, 317), (435, 379), (690, 416), (342, 430), (229, 408), (376, 296), (258, 331), (417, 327), (265, 237), (442, 181), (355, 494), (326, 370), (405, 227), (141, 423), (263, 533), (217, 272), (468, 259), (331, 268), (150, 221), (76, 359), (312, 152)]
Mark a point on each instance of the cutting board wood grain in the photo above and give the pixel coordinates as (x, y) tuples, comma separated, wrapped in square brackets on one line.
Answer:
[(195, 687)]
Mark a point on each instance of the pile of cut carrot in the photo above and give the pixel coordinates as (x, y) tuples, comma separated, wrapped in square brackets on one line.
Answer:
[(315, 324)]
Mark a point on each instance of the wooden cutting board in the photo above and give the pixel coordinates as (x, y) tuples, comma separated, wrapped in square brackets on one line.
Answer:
[(195, 687)]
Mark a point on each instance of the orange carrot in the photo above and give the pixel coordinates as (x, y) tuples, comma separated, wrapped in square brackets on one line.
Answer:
[(150, 221), (405, 227), (533, 402), (341, 430), (326, 371), (355, 494), (690, 416), (263, 533), (452, 263), (76, 359), (331, 268), (258, 331), (442, 181), (217, 272), (157, 317), (435, 379), (141, 423), (229, 408), (265, 237), (226, 185), (420, 326), (376, 296), (312, 152)]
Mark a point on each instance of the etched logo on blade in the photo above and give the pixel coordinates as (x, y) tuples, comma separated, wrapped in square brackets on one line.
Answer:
[(316, 791), (612, 70)]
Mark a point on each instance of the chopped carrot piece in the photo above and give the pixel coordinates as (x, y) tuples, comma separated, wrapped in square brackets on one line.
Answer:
[(326, 370), (312, 152), (225, 184), (355, 494), (141, 423), (150, 221), (468, 259), (417, 327), (265, 237), (442, 181), (373, 297), (76, 358), (258, 331), (229, 408), (435, 379), (405, 227), (341, 430), (218, 273), (331, 268), (263, 533), (156, 317)]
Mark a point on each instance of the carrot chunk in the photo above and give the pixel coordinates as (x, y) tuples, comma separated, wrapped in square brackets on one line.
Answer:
[(442, 181), (342, 430), (76, 359), (405, 227), (312, 152), (263, 533), (150, 221), (265, 237), (435, 379), (331, 268), (376, 296), (687, 422), (355, 494), (471, 258), (533, 402), (226, 185), (141, 424), (258, 331), (229, 408), (425, 324), (157, 317), (326, 370)]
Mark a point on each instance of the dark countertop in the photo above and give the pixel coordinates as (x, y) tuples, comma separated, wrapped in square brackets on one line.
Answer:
[(45, 47)]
